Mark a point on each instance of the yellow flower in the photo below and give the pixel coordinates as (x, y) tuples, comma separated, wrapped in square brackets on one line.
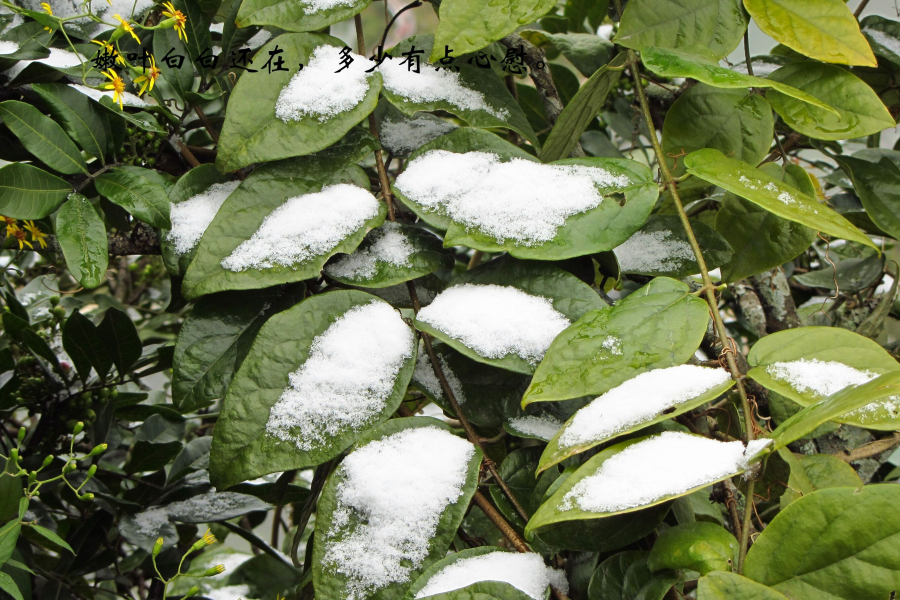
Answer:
[(10, 222), (110, 49), (36, 234), (17, 233), (116, 84), (49, 10), (180, 19), (150, 78), (125, 25), (208, 539)]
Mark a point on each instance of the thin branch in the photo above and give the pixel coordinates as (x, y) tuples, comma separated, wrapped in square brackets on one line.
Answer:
[(256, 542), (747, 59), (206, 123), (318, 482), (860, 8), (871, 449)]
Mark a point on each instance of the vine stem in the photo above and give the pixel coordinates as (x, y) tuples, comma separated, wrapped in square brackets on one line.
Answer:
[(709, 290)]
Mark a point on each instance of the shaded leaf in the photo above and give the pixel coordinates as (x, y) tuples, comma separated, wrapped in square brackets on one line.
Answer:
[(82, 237), (43, 137), (27, 192)]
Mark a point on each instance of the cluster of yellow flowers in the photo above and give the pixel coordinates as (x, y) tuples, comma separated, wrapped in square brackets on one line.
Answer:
[(13, 230)]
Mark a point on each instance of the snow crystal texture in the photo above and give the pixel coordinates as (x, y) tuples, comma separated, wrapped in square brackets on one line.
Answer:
[(390, 498), (822, 378), (346, 380), (390, 246), (496, 320), (402, 136), (518, 200), (317, 90), (543, 427), (525, 572), (191, 217), (314, 6)]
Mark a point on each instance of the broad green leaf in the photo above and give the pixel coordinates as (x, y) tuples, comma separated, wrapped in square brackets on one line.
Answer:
[(79, 116), (697, 507), (883, 36), (82, 342), (815, 472), (181, 80), (760, 239), (333, 585), (242, 448), (860, 112), (137, 193), (52, 537), (468, 25), (822, 29), (294, 15), (698, 546), (556, 451), (213, 342), (659, 586), (43, 137), (9, 534), (150, 456), (482, 590), (835, 543), (82, 236), (772, 194), (736, 123), (720, 585), (252, 133), (658, 326), (144, 537), (587, 52), (246, 208), (9, 586), (27, 192), (694, 63), (196, 181), (193, 457), (121, 339), (616, 574), (582, 110), (369, 266), (715, 24), (661, 247), (831, 408), (505, 111), (568, 294), (141, 120), (852, 274), (825, 344), (197, 30), (877, 183)]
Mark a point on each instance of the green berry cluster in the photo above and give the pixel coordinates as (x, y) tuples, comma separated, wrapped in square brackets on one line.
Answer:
[(141, 147)]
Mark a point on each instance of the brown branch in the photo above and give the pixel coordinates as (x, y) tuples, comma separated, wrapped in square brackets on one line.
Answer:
[(860, 8), (209, 127), (871, 449)]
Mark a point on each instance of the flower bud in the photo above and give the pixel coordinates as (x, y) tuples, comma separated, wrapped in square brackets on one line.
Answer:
[(79, 427), (157, 547), (47, 460), (21, 436), (119, 32), (97, 450), (86, 497), (213, 571), (14, 456), (68, 468), (192, 592)]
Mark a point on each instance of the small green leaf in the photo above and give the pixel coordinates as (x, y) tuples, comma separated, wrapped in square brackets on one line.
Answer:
[(121, 339), (822, 29), (43, 137), (52, 537), (27, 192), (9, 586), (698, 546), (294, 15), (772, 194), (137, 193), (9, 534), (720, 585), (82, 236)]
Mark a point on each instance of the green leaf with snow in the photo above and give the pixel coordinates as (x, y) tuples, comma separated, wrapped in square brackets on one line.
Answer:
[(658, 326), (546, 299), (468, 25), (837, 544), (427, 478), (883, 36), (294, 15), (860, 111), (264, 253), (772, 194), (810, 363), (254, 133), (715, 24), (82, 237), (390, 254), (293, 405)]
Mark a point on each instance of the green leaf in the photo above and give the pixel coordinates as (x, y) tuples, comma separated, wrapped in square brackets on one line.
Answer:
[(620, 576), (27, 192), (822, 29), (518, 471), (760, 239), (693, 62), (845, 401), (121, 339), (860, 111), (582, 110), (825, 344), (43, 137), (883, 36), (369, 266), (815, 472), (772, 194), (196, 181), (877, 183), (143, 532), (181, 80), (82, 236), (853, 274), (698, 546), (332, 585), (555, 452), (662, 247), (481, 81), (213, 342), (482, 590), (78, 115), (242, 449), (715, 24), (252, 133), (659, 586), (9, 586), (142, 120), (9, 534), (720, 585), (82, 342), (197, 31), (738, 124), (587, 52), (568, 294), (52, 537), (137, 193), (658, 326), (835, 543), (292, 15), (193, 457), (468, 25), (266, 189)]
